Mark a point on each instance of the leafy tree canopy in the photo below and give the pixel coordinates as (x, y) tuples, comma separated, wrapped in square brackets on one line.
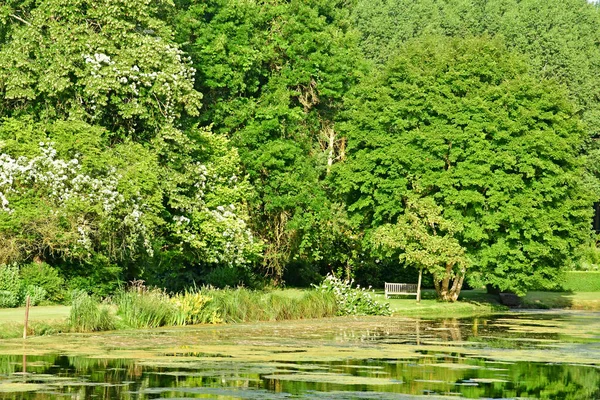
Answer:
[(496, 148), (559, 39), (274, 74), (108, 63)]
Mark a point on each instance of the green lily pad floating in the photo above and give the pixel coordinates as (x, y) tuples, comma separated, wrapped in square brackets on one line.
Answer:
[(455, 366), (488, 380), (334, 379), (14, 387)]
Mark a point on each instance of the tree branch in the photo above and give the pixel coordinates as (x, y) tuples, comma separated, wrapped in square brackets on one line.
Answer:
[(20, 19)]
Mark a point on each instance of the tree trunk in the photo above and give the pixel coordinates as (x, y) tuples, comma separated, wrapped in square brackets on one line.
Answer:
[(444, 290), (331, 147)]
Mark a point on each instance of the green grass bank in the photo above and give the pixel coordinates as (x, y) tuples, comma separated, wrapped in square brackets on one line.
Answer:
[(582, 281), (155, 308)]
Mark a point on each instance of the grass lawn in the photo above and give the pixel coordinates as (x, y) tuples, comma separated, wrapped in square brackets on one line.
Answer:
[(43, 320), (570, 300), (39, 313), (471, 302)]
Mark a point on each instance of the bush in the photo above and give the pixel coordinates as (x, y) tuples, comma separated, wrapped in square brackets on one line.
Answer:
[(8, 299), (36, 294), (11, 286), (589, 258), (222, 277), (302, 274), (96, 275), (88, 315), (46, 277), (352, 301), (582, 281)]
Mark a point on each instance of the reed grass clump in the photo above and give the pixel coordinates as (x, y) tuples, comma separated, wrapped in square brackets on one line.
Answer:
[(88, 315), (243, 305), (140, 307)]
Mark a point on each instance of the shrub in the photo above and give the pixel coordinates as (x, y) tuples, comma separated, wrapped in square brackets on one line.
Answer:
[(88, 315), (96, 275), (222, 277), (46, 277), (36, 294), (582, 281), (11, 286), (589, 258), (8, 299), (352, 301)]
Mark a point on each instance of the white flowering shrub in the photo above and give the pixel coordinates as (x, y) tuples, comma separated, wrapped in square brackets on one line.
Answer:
[(139, 185), (106, 62), (89, 202), (65, 193), (11, 286), (208, 204), (61, 181), (353, 301)]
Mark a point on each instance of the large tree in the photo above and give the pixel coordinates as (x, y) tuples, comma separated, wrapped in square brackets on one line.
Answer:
[(274, 74), (122, 174), (112, 64), (425, 239), (558, 38), (496, 148)]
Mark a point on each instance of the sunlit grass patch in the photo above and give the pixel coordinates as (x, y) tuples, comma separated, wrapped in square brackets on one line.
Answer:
[(472, 302), (566, 300)]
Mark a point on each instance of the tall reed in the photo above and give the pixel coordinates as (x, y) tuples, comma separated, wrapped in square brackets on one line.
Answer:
[(88, 315), (243, 305), (140, 307)]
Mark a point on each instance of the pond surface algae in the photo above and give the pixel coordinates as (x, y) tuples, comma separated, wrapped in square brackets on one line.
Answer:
[(521, 355)]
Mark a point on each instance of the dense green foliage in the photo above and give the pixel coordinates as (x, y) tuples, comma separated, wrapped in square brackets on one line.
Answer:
[(235, 142), (582, 281), (273, 74), (109, 63), (558, 37), (44, 276), (463, 123)]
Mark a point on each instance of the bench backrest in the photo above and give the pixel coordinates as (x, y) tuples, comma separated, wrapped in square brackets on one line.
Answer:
[(401, 287)]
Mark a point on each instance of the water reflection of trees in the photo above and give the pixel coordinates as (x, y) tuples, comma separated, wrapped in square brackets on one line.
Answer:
[(440, 372), (126, 379)]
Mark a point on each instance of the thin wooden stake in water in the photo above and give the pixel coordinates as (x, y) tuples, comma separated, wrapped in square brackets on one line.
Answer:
[(26, 317)]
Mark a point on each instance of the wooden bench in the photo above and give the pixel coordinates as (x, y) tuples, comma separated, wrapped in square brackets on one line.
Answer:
[(410, 289)]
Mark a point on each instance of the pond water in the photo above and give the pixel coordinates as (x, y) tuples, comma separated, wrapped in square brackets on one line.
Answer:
[(521, 355)]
